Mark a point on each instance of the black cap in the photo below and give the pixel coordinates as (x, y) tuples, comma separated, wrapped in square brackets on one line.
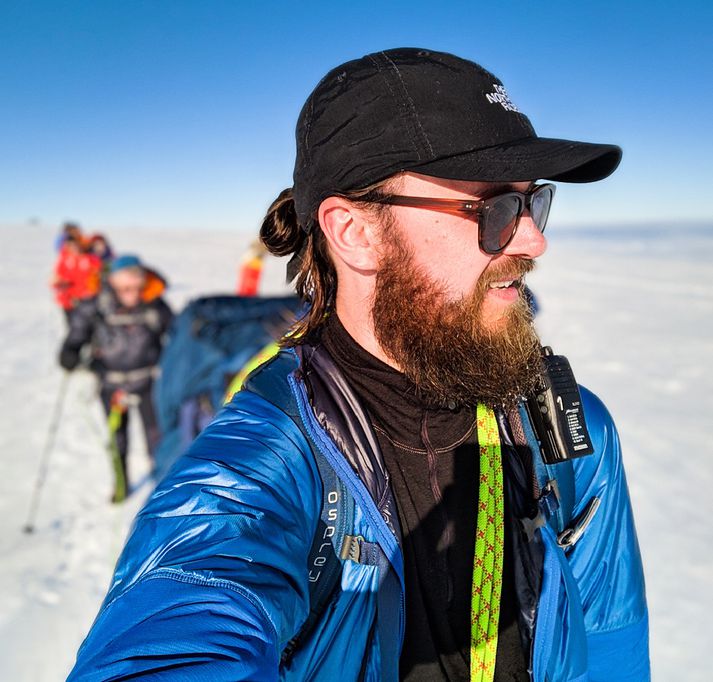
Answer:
[(431, 113)]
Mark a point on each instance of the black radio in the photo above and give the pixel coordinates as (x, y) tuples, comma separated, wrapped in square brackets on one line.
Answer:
[(556, 414)]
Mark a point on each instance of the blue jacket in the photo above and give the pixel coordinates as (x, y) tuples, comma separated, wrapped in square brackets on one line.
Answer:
[(217, 577)]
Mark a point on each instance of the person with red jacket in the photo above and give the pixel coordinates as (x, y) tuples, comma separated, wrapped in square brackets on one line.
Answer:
[(77, 274), (251, 270)]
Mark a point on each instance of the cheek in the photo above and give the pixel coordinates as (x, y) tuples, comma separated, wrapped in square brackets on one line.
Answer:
[(454, 258)]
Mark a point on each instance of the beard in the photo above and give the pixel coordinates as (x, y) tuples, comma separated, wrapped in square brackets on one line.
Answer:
[(444, 346)]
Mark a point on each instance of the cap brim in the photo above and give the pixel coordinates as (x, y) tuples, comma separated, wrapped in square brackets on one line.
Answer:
[(534, 158)]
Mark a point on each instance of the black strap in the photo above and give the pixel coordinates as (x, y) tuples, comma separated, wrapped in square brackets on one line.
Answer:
[(330, 541)]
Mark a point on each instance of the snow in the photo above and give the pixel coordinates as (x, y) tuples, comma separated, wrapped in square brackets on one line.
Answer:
[(631, 308)]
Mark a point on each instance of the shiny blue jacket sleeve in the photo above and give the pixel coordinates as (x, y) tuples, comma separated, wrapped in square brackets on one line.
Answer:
[(606, 562), (212, 583)]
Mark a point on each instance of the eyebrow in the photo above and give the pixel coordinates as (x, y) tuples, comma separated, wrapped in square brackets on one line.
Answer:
[(502, 187)]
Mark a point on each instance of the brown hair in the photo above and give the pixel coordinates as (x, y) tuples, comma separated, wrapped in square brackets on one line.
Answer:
[(311, 267)]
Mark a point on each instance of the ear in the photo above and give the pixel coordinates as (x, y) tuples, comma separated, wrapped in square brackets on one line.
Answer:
[(350, 233)]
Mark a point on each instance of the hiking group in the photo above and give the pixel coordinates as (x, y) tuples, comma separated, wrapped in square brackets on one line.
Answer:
[(411, 487)]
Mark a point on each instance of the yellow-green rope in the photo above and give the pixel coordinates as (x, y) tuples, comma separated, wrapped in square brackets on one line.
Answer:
[(488, 560)]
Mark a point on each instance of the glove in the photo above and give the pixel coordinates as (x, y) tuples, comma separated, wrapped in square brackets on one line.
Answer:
[(68, 358)]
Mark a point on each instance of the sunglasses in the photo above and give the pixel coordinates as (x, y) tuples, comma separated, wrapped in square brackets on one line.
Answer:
[(498, 217)]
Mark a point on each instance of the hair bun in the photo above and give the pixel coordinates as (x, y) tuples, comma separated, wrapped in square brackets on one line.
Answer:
[(280, 232)]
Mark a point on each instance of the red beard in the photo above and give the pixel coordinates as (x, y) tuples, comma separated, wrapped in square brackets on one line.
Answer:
[(443, 346)]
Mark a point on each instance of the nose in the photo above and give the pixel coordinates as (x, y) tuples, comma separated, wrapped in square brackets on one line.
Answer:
[(528, 241)]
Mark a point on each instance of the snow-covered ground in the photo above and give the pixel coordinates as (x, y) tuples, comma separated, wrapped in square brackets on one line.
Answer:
[(631, 308)]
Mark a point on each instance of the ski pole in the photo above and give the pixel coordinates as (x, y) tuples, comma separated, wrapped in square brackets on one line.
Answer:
[(29, 526)]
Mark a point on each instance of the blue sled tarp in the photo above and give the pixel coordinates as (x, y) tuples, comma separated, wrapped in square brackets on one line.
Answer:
[(210, 342)]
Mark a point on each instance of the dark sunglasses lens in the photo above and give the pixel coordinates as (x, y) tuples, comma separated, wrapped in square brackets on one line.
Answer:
[(500, 220), (540, 206)]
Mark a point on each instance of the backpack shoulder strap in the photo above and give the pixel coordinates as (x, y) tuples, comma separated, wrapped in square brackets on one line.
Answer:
[(331, 535), (556, 481), (104, 303), (336, 521)]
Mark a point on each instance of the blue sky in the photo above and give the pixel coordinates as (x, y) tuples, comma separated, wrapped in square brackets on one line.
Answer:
[(181, 114)]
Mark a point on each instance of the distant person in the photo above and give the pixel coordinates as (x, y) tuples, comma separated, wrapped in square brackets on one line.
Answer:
[(77, 274), (251, 269), (69, 230), (99, 245), (125, 327)]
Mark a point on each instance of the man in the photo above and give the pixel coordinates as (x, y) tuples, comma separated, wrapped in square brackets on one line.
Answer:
[(125, 325), (373, 504)]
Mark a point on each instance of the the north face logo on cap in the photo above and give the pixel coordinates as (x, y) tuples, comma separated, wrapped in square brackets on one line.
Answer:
[(500, 96)]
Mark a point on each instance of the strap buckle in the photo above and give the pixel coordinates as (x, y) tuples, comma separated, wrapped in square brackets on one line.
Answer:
[(547, 506), (549, 500)]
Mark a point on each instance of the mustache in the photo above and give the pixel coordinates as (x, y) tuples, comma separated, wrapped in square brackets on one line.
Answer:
[(509, 268)]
